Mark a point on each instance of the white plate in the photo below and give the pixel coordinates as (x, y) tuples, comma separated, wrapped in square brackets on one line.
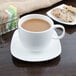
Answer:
[(58, 20), (20, 52)]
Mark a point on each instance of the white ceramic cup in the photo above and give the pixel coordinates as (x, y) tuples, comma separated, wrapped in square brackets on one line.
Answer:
[(36, 40)]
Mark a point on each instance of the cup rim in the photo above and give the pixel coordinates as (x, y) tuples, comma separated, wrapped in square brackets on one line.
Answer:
[(40, 15)]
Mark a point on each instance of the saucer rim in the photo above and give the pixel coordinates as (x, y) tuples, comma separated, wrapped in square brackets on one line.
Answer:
[(41, 60)]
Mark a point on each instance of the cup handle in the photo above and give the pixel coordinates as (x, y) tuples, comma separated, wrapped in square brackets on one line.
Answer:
[(63, 31)]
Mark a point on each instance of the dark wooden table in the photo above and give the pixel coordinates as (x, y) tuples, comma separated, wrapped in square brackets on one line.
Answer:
[(63, 65)]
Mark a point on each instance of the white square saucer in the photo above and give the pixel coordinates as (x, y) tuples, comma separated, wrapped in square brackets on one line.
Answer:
[(20, 52)]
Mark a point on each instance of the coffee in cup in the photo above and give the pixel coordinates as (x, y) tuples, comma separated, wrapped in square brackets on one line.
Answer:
[(35, 25), (36, 31)]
